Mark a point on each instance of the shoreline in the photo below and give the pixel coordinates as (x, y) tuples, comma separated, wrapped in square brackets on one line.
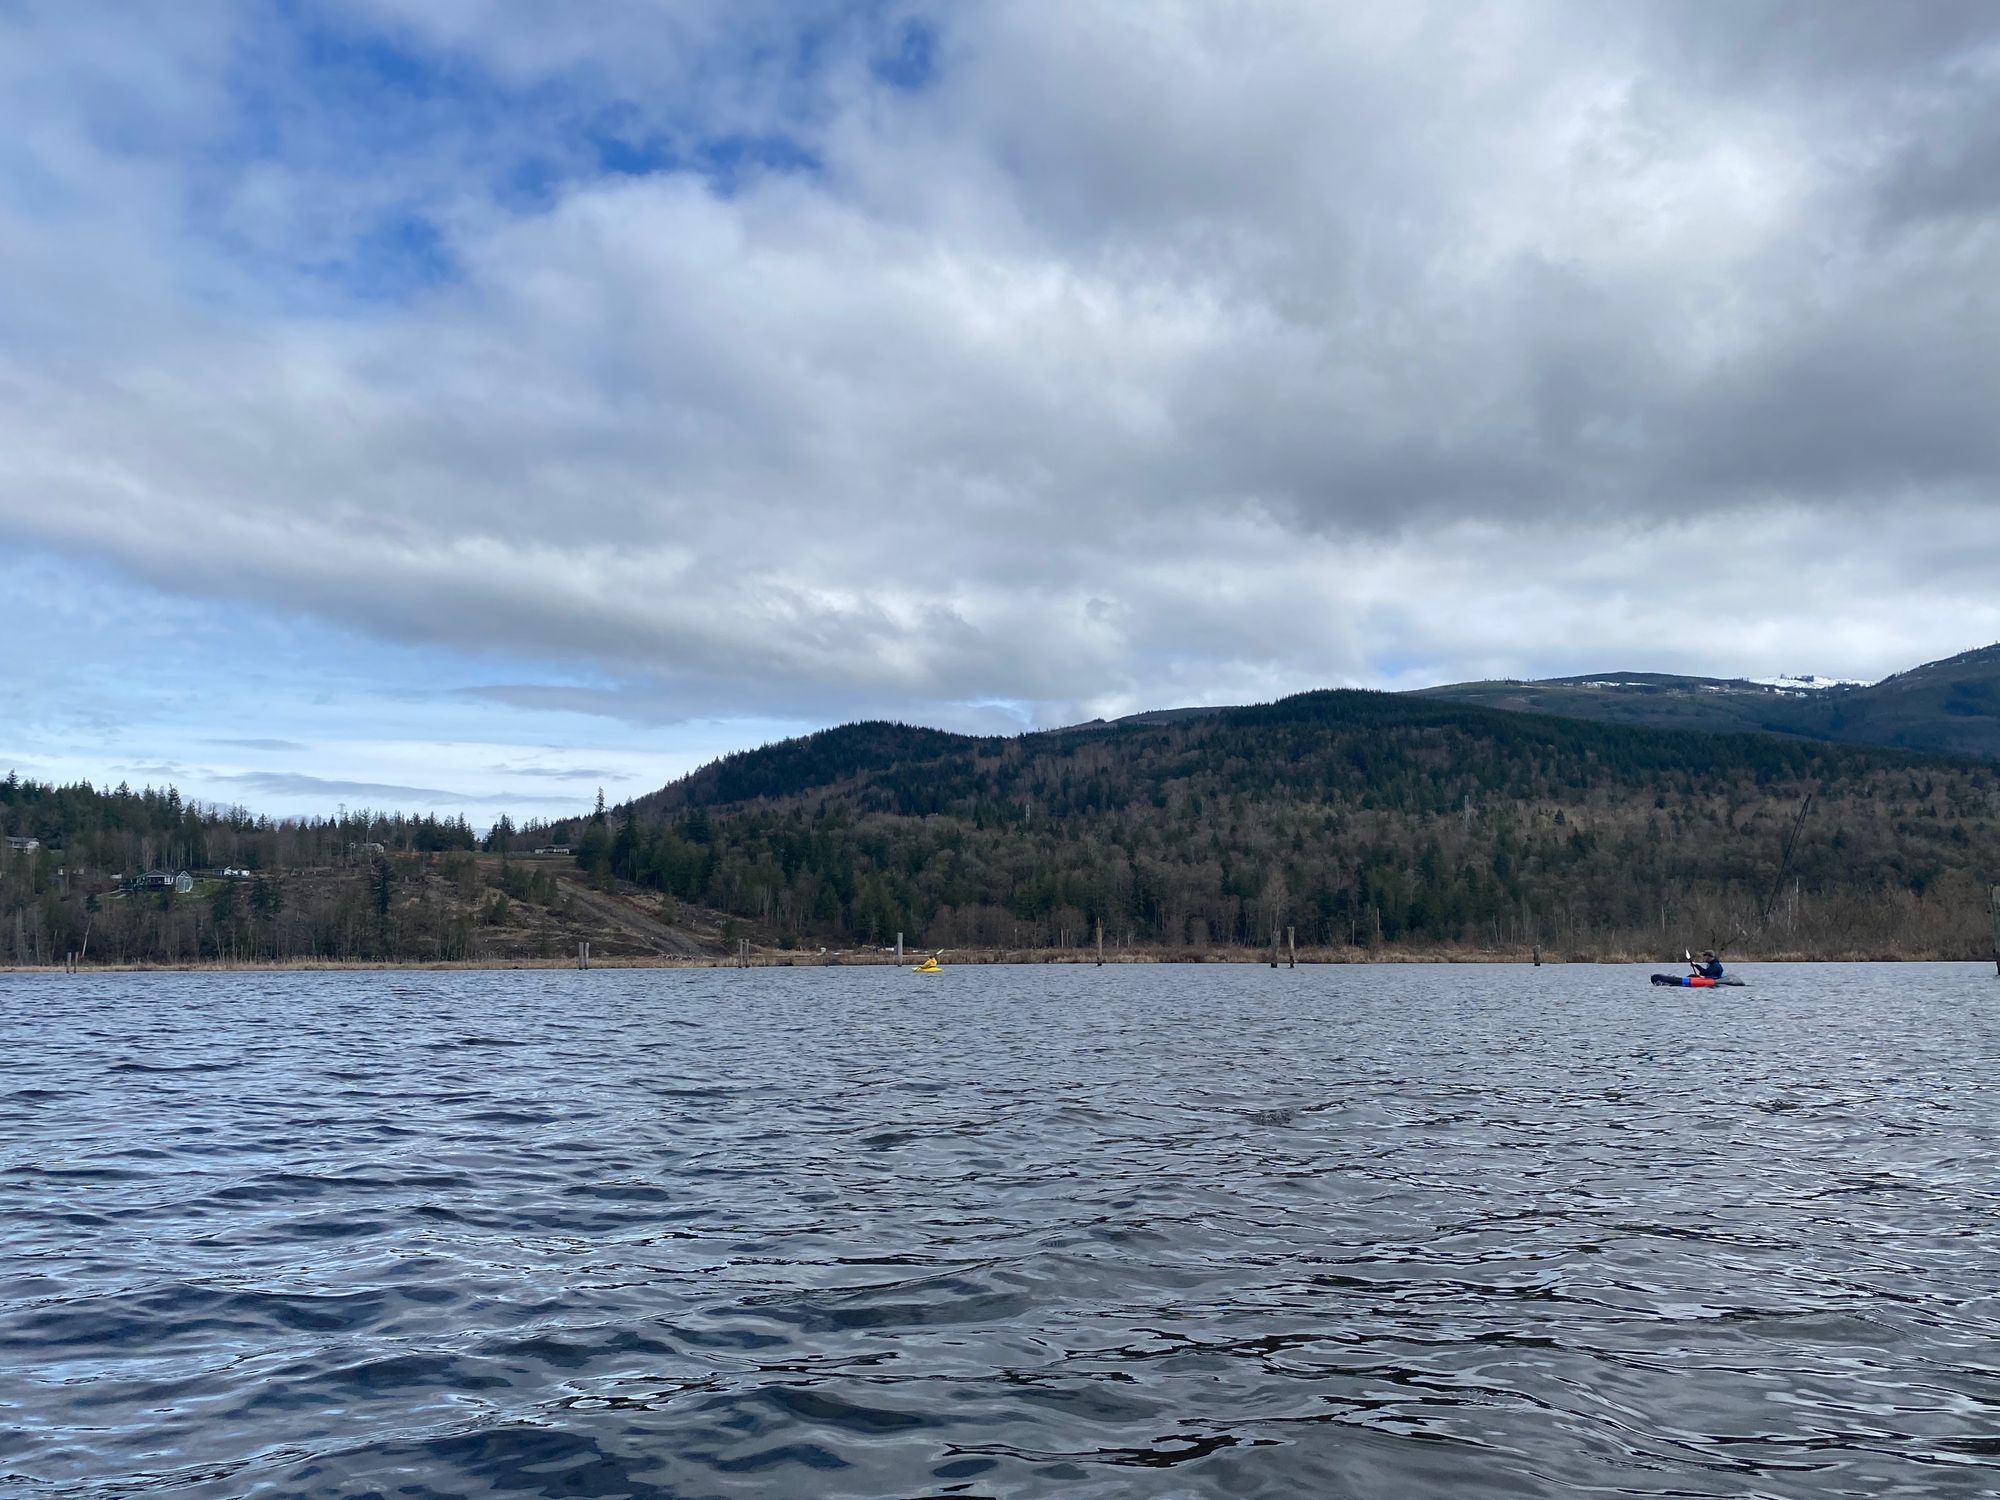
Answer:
[(781, 959)]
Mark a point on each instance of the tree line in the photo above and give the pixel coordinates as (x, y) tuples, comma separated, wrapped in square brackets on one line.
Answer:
[(1359, 822), (363, 885), (1355, 820)]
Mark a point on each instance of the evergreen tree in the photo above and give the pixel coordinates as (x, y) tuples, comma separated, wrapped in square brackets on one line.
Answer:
[(593, 851)]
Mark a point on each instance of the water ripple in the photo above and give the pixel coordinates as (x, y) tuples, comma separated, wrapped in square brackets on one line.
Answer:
[(1397, 1231)]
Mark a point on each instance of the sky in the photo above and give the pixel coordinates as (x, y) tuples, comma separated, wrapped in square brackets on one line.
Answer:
[(461, 405)]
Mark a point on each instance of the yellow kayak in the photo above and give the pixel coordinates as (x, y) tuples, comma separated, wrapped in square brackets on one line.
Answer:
[(928, 966)]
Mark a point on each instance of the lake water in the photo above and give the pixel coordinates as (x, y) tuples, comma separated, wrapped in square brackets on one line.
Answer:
[(1352, 1231)]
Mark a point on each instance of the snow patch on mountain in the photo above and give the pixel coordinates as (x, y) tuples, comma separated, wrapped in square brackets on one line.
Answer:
[(1808, 682)]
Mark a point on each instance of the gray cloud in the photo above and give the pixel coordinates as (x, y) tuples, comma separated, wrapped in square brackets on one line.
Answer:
[(561, 773), (164, 771), (638, 708), (1307, 344), (291, 784)]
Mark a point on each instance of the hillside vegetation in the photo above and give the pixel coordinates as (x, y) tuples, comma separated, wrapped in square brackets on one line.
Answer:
[(1362, 820), (1367, 823), (364, 887)]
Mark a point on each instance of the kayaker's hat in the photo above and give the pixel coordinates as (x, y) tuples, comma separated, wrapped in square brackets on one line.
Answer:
[(1710, 953)]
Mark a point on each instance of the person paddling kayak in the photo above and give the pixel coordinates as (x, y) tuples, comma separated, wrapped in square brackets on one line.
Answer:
[(1706, 976)]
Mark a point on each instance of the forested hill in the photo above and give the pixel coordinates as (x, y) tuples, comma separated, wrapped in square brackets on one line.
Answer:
[(96, 874), (1361, 819), (1950, 706), (914, 771)]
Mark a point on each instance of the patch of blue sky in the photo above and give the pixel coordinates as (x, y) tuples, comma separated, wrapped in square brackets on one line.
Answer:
[(403, 137), (399, 255), (619, 143), (729, 161), (30, 188), (306, 92), (1391, 671), (334, 173), (113, 680), (910, 63)]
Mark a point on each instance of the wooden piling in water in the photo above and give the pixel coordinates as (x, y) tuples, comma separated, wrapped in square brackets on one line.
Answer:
[(1994, 897), (1100, 945), (1292, 946)]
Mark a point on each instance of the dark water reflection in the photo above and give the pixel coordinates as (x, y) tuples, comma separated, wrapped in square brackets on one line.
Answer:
[(1350, 1231)]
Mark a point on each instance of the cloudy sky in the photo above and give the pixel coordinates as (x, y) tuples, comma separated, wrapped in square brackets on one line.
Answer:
[(467, 403)]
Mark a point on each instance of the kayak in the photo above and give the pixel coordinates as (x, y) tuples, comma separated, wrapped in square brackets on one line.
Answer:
[(1696, 982), (928, 966)]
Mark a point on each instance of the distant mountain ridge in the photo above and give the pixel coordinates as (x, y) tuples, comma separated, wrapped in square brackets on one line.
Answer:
[(1948, 707)]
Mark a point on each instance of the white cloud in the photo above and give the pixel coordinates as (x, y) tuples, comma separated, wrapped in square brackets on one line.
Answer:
[(1189, 354)]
